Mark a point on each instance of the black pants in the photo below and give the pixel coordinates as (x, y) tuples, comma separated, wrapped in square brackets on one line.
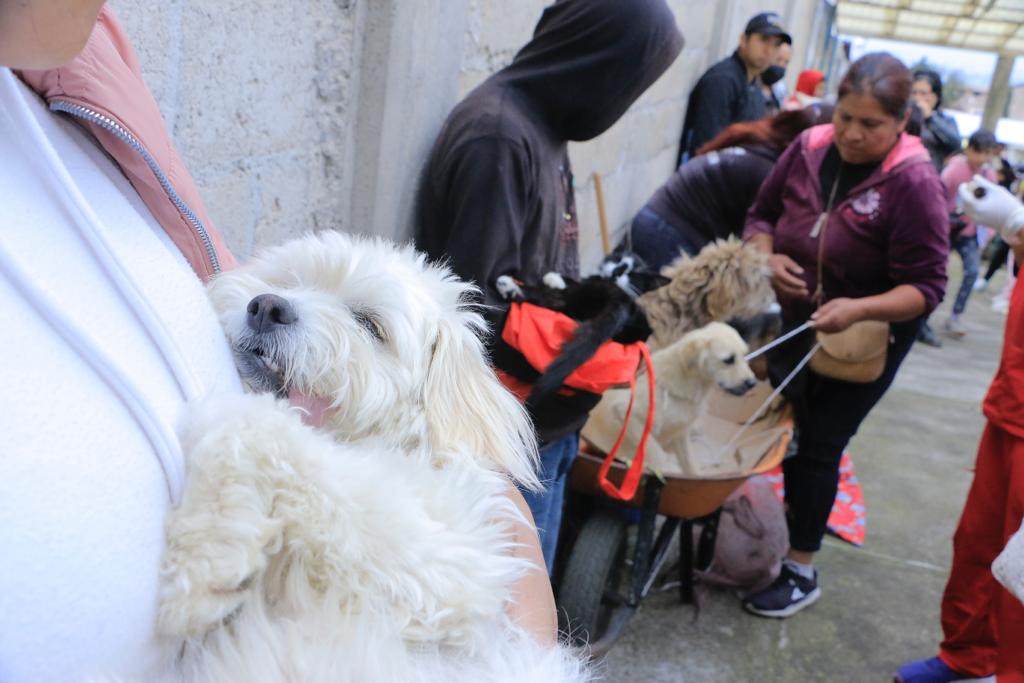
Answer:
[(828, 414), (997, 257)]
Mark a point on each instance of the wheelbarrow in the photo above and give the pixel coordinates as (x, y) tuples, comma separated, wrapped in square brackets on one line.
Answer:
[(599, 590)]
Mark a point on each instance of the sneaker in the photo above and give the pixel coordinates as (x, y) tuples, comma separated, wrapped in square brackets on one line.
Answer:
[(932, 670), (980, 285), (787, 595), (927, 336), (1000, 304), (954, 328)]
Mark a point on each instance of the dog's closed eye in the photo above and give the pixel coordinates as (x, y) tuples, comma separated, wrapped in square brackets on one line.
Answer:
[(370, 324), (730, 359)]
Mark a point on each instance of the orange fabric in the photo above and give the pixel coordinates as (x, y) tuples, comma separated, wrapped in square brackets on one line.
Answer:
[(632, 479), (518, 387), (538, 333)]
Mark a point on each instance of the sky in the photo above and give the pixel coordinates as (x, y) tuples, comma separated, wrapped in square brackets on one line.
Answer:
[(976, 66)]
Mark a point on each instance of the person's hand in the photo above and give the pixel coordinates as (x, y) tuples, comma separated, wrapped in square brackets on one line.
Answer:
[(786, 276), (925, 106), (995, 206), (838, 314)]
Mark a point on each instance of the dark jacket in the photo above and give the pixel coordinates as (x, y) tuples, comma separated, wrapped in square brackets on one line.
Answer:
[(722, 96), (496, 195), (708, 197), (941, 137), (891, 229)]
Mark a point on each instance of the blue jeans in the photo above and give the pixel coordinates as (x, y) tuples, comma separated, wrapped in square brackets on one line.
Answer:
[(967, 247), (556, 458)]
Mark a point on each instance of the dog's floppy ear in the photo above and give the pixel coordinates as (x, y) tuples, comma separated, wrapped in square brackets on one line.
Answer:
[(467, 406)]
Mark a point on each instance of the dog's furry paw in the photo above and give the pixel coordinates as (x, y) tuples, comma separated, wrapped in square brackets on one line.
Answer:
[(220, 535), (508, 288), (554, 280), (188, 607)]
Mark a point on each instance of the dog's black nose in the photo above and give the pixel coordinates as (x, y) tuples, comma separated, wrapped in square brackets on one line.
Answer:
[(268, 311)]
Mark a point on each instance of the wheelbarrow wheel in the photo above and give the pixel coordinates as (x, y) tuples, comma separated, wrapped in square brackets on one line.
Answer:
[(588, 593)]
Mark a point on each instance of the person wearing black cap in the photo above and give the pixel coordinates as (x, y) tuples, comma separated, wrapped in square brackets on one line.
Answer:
[(730, 91), (496, 197)]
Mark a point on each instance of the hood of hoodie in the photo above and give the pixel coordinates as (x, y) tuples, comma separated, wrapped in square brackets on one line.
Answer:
[(589, 60)]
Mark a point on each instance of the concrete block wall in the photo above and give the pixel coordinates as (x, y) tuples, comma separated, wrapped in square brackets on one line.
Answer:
[(294, 121), (259, 99)]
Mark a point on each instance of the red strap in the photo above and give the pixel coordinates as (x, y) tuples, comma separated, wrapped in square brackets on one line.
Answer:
[(632, 478), (539, 333)]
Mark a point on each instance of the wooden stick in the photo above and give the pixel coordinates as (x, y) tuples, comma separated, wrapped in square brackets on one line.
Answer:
[(606, 240)]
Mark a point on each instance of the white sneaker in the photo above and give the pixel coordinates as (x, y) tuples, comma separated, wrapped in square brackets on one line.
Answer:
[(954, 328), (1001, 304), (981, 284)]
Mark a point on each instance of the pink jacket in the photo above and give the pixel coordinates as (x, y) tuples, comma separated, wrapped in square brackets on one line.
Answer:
[(958, 171), (103, 90)]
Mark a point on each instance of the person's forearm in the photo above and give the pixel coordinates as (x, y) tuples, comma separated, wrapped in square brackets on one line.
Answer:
[(903, 302)]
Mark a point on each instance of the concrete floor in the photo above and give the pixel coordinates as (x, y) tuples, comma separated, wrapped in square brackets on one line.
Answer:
[(880, 603)]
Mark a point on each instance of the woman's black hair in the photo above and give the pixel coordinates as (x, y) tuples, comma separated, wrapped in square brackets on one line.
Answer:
[(916, 120), (934, 80)]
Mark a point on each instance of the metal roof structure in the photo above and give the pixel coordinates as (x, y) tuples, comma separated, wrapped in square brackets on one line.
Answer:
[(990, 25)]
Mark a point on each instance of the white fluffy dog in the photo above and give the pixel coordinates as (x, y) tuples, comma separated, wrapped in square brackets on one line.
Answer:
[(386, 340), (685, 373), (382, 548)]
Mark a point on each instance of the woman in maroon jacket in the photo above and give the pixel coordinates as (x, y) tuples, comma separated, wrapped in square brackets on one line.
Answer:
[(871, 193)]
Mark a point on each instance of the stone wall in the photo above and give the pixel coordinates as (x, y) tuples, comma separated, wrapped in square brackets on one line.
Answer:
[(259, 99), (294, 121)]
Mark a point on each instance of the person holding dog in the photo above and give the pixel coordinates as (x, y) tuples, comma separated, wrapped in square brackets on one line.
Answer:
[(853, 218), (496, 197), (108, 334)]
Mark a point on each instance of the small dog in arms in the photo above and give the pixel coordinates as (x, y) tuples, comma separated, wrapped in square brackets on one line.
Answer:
[(380, 546)]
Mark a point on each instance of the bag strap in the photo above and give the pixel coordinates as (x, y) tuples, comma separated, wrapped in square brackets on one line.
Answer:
[(819, 230), (632, 479)]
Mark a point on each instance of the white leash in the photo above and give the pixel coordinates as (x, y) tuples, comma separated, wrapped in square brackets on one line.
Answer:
[(87, 225), (778, 341), (157, 432), (756, 415)]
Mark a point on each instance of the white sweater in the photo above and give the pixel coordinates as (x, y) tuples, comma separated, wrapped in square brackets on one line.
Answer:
[(82, 494)]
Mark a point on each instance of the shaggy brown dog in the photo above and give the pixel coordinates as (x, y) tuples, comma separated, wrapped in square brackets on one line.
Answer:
[(727, 280)]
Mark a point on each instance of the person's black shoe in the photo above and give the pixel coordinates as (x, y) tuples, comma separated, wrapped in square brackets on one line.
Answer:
[(927, 336), (787, 595)]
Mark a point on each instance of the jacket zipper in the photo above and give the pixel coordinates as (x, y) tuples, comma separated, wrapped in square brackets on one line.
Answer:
[(117, 129)]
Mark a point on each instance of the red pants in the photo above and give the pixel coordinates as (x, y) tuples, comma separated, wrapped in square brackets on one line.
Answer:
[(983, 623)]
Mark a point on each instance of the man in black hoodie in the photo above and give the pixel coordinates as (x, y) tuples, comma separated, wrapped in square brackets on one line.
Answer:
[(496, 197)]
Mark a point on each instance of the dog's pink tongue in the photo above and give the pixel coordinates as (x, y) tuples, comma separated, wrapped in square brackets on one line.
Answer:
[(316, 407)]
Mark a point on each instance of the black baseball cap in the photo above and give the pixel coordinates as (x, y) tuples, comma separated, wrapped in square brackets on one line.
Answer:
[(768, 24)]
